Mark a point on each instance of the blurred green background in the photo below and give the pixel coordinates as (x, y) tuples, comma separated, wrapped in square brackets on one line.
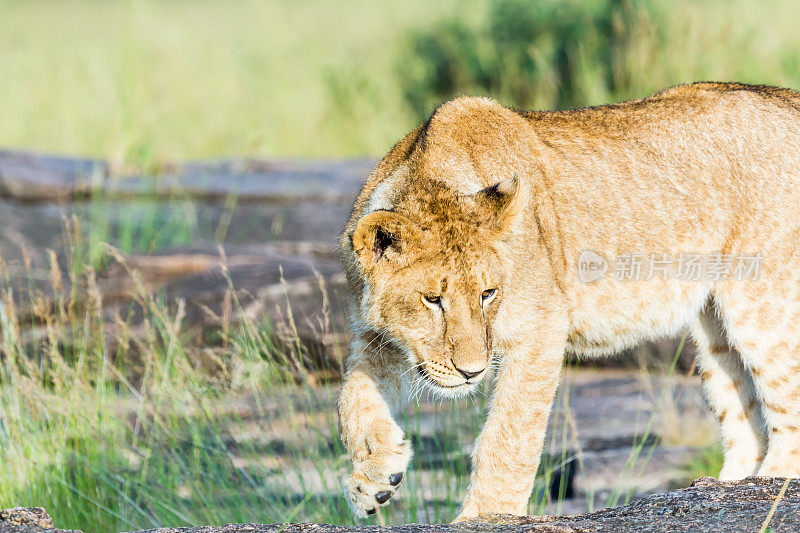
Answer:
[(144, 83)]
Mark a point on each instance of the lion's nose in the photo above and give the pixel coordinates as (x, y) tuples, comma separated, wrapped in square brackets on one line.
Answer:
[(467, 374)]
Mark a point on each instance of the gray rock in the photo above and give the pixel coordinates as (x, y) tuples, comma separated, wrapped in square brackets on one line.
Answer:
[(27, 520), (36, 516), (708, 505)]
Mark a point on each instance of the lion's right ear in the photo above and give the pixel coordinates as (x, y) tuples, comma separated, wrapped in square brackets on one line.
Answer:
[(503, 202), (384, 236)]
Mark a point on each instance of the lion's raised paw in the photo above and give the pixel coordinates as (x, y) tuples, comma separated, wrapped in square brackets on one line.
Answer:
[(376, 478)]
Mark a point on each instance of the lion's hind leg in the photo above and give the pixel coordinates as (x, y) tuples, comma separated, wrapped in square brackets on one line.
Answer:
[(762, 318), (731, 395)]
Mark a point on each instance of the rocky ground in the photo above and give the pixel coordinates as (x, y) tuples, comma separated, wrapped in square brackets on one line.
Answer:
[(708, 505)]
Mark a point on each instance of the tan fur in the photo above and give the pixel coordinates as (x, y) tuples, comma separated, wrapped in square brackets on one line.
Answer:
[(484, 198)]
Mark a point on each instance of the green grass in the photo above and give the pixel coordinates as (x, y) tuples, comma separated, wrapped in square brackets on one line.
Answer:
[(555, 54), (707, 463), (142, 226), (144, 83)]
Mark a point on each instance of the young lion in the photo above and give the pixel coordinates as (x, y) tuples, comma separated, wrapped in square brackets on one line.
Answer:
[(493, 235)]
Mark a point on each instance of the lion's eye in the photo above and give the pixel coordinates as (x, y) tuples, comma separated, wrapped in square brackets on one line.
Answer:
[(488, 294), (435, 300)]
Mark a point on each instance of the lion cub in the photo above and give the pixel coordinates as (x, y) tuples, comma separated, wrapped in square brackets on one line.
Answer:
[(494, 234)]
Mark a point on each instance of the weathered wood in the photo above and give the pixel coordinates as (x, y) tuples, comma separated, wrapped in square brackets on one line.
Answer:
[(35, 177)]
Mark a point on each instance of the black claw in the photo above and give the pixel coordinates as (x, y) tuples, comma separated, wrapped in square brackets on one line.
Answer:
[(383, 496), (395, 479), (372, 511)]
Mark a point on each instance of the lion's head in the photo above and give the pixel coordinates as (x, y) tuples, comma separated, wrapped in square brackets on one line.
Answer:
[(434, 276)]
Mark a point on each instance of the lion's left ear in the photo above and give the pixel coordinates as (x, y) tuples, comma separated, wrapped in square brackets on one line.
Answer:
[(385, 239), (503, 202)]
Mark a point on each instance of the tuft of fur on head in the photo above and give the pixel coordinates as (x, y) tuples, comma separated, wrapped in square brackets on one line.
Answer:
[(433, 278)]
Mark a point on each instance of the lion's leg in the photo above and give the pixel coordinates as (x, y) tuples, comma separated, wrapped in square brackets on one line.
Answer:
[(507, 451), (731, 396), (761, 317), (372, 389)]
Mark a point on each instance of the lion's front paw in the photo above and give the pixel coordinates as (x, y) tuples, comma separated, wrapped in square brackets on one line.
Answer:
[(377, 471)]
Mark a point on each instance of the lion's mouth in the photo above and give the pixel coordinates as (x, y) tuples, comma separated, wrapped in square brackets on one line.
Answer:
[(432, 381)]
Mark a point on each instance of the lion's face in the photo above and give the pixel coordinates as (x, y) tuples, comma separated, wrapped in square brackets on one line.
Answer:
[(434, 288), (441, 313)]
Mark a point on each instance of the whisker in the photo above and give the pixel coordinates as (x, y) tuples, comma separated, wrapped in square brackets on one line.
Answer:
[(379, 335), (413, 367)]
